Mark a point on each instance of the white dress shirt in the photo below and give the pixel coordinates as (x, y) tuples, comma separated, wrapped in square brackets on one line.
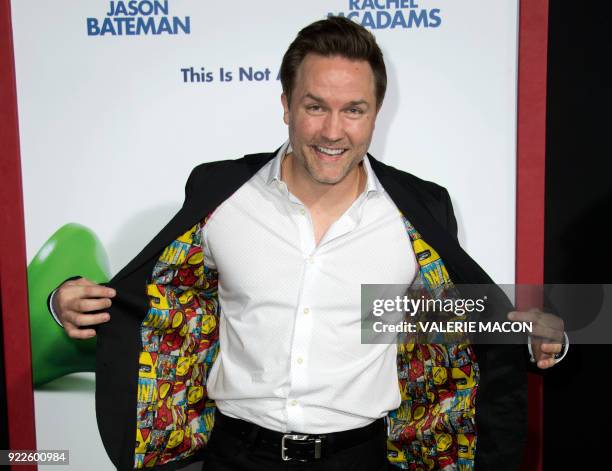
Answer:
[(291, 357)]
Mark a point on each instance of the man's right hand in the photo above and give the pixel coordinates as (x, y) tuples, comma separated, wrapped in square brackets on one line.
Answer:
[(74, 301)]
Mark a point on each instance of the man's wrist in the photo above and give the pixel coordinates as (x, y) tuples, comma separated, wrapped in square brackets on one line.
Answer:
[(52, 310)]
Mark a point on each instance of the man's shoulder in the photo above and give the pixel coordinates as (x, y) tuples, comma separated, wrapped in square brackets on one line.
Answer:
[(406, 180), (222, 177), (228, 165)]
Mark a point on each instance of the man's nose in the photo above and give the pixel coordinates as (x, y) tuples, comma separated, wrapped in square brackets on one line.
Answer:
[(332, 127)]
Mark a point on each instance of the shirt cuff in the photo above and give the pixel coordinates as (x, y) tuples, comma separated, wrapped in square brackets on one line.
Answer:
[(564, 347), (53, 310)]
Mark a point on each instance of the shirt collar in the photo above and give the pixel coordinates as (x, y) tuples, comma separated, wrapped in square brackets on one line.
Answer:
[(275, 169), (372, 183)]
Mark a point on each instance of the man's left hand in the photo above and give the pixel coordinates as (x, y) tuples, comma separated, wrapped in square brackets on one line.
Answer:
[(546, 337)]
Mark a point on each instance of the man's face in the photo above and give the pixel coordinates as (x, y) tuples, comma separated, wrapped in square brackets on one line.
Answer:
[(331, 116)]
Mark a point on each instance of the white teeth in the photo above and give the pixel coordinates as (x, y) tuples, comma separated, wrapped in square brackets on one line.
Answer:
[(328, 151)]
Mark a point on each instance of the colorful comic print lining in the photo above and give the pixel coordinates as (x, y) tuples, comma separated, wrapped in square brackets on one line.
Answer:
[(433, 428), (180, 343)]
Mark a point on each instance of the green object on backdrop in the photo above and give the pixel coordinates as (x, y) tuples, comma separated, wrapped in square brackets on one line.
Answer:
[(73, 250)]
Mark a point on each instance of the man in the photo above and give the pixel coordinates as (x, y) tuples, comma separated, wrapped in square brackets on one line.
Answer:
[(244, 312)]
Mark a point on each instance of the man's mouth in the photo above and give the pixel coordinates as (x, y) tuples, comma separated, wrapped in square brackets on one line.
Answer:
[(329, 152)]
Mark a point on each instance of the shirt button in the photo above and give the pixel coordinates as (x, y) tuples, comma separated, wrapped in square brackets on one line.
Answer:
[(306, 310), (294, 403), (302, 211), (310, 260), (300, 361)]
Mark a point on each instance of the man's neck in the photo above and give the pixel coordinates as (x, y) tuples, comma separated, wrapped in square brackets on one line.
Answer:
[(326, 203), (321, 197)]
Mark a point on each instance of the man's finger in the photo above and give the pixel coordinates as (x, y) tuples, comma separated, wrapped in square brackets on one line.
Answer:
[(80, 334), (85, 288), (524, 316), (547, 334), (538, 318), (551, 348), (547, 363), (83, 320), (80, 282), (89, 305), (97, 291)]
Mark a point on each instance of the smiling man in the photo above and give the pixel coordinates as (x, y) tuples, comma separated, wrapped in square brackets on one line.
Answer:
[(330, 108), (331, 117), (234, 336)]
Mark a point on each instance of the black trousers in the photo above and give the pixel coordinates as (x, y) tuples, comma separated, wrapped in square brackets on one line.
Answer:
[(227, 452)]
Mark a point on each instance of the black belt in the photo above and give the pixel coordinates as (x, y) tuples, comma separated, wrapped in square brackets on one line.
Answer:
[(297, 446)]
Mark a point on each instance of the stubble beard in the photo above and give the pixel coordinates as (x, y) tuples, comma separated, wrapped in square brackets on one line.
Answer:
[(312, 171)]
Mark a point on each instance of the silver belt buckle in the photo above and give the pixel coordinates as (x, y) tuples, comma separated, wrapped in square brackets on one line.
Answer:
[(299, 437)]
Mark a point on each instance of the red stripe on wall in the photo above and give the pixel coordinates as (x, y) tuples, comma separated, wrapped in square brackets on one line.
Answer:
[(13, 281), (531, 158)]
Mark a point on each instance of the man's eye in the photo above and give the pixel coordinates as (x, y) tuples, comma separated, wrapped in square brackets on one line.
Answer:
[(355, 111), (313, 108)]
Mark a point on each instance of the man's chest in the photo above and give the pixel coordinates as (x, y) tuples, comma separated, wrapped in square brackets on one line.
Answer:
[(265, 251)]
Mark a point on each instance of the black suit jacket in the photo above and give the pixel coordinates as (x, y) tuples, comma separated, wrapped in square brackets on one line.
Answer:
[(501, 412)]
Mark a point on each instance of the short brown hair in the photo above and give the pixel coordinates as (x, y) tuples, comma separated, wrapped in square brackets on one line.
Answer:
[(334, 36)]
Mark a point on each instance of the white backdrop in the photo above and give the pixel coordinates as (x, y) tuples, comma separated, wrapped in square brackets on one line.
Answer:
[(102, 116)]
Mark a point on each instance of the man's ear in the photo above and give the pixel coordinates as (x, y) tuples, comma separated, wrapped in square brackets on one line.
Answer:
[(285, 103)]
